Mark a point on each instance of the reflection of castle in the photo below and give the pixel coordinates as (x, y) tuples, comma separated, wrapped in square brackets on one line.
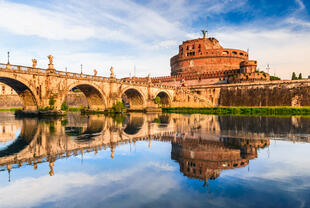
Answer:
[(203, 159)]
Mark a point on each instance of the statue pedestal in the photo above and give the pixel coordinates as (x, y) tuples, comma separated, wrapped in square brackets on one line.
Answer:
[(51, 66)]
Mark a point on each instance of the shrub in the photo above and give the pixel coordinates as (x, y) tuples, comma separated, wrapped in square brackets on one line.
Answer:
[(118, 107), (51, 103), (157, 100), (64, 106)]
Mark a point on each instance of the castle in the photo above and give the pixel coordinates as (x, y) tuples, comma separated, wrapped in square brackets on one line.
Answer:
[(203, 61)]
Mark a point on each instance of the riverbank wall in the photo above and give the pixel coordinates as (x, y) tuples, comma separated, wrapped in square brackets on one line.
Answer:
[(276, 93)]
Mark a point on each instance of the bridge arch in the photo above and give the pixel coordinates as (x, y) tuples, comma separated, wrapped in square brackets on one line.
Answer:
[(133, 98), (26, 94), (96, 99), (165, 99)]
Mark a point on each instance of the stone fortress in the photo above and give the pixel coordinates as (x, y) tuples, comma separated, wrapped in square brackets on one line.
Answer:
[(203, 61)]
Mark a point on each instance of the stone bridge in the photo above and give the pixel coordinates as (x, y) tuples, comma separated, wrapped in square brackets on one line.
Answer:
[(41, 88)]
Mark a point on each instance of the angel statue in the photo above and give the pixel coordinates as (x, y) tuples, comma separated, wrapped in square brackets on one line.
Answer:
[(112, 71), (95, 72), (50, 58), (34, 63), (205, 33)]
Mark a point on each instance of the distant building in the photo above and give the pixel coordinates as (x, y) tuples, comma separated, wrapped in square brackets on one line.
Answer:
[(6, 90), (204, 61)]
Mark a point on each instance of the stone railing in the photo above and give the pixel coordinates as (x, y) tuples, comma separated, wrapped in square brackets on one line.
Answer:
[(72, 75)]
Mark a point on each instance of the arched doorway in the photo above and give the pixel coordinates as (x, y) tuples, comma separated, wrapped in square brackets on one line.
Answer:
[(26, 95), (133, 99), (164, 99), (95, 99)]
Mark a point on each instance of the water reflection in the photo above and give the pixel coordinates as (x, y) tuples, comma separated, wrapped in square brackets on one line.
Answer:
[(155, 157), (203, 159), (202, 145)]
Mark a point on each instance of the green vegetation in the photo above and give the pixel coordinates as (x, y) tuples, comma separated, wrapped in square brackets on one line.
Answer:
[(118, 107), (64, 106), (251, 111), (157, 100), (76, 90), (272, 78), (75, 109), (10, 109), (51, 102), (294, 77)]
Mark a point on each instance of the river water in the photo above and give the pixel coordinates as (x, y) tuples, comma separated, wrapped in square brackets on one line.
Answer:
[(155, 160)]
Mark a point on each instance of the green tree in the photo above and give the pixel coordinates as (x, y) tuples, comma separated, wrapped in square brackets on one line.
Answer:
[(300, 76), (118, 107), (274, 78), (64, 106), (157, 100), (294, 76), (52, 102)]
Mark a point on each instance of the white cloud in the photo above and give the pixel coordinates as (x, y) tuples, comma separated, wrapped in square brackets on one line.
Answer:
[(28, 192), (283, 49), (301, 4), (124, 33)]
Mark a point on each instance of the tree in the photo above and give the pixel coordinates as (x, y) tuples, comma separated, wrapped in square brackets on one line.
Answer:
[(64, 106), (52, 102), (294, 76), (272, 78), (157, 100), (118, 107), (300, 76)]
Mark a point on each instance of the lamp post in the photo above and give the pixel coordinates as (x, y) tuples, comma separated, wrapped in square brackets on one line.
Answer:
[(81, 68), (8, 57)]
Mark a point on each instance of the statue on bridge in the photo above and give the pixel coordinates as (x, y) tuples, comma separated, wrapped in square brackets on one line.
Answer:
[(50, 58), (34, 63), (149, 78), (50, 65), (95, 72), (112, 72)]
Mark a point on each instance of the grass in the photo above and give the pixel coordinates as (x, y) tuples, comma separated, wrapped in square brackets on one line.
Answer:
[(251, 111), (10, 109), (75, 109)]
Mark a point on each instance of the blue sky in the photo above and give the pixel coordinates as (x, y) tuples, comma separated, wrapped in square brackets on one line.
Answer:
[(145, 34)]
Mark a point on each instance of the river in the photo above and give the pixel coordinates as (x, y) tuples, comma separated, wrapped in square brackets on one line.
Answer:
[(154, 160)]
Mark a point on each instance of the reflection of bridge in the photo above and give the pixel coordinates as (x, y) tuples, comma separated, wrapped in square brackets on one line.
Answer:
[(51, 140), (202, 145), (37, 87)]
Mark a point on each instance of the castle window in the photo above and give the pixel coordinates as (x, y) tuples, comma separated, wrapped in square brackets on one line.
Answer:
[(241, 54), (234, 52), (187, 47), (199, 46), (193, 46), (225, 52)]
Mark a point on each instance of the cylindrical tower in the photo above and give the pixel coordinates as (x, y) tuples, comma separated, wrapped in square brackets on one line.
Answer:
[(205, 55)]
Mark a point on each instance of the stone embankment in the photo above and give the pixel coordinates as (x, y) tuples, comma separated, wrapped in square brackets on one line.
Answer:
[(75, 99), (276, 93)]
